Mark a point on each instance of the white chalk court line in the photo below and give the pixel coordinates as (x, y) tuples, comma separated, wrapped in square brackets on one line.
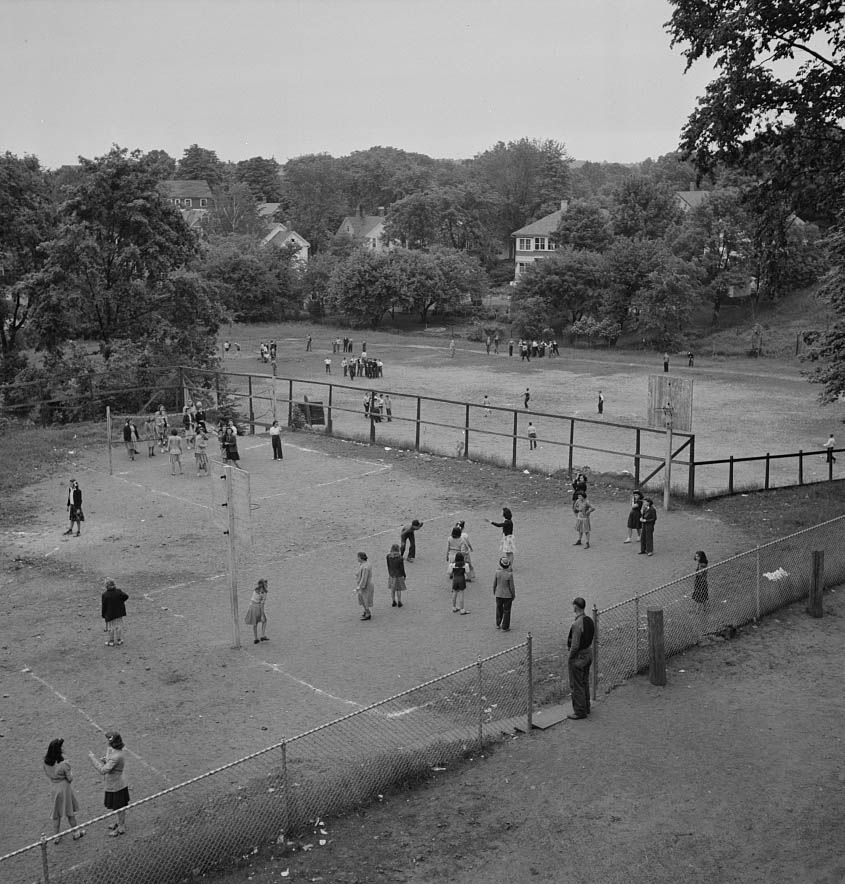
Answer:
[(27, 670)]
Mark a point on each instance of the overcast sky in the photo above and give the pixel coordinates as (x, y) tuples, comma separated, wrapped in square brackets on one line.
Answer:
[(281, 78)]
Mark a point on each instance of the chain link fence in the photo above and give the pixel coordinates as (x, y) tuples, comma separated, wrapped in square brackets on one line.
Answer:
[(734, 592), (287, 790)]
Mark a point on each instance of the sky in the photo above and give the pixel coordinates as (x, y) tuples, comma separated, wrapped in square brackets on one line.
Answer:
[(283, 78)]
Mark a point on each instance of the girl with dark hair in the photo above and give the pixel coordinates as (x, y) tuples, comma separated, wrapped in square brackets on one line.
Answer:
[(466, 549), (579, 486), (74, 507), (634, 516), (111, 766), (64, 801), (364, 585), (454, 545), (395, 575), (255, 613), (459, 584), (508, 546), (700, 591)]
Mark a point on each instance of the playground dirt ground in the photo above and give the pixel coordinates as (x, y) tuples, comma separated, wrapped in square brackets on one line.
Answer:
[(732, 771)]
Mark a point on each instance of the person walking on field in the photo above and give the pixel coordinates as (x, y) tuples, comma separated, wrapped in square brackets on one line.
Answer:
[(601, 402), (276, 440), (647, 520), (364, 585), (111, 766), (665, 362), (74, 507), (830, 445), (65, 804), (255, 614), (526, 396), (485, 404), (408, 536), (504, 591), (113, 610), (174, 449), (583, 508), (510, 347), (452, 349), (201, 450), (395, 575), (580, 658), (532, 436)]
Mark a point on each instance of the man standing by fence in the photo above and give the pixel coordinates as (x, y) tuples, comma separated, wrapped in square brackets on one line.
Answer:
[(580, 645)]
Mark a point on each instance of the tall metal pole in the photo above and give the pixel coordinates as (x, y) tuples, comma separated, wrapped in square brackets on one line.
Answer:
[(233, 560)]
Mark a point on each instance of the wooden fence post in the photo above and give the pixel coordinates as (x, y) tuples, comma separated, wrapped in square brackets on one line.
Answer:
[(515, 431), (417, 430), (595, 652), (800, 466), (636, 461), (691, 474), (251, 407), (656, 647), (466, 432), (329, 413), (571, 442), (290, 402), (815, 607)]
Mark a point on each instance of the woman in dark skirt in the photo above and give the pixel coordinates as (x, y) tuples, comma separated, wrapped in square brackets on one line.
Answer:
[(230, 445), (700, 590), (74, 507), (634, 516), (111, 767)]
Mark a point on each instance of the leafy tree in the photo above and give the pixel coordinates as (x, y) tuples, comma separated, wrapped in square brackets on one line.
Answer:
[(828, 350), (233, 210), (562, 288), (313, 195), (584, 225), (774, 110), (591, 328), (160, 164), (364, 288), (200, 164), (263, 177), (665, 303), (643, 209), (26, 220), (717, 236), (109, 265), (379, 176), (527, 175), (462, 278), (254, 283), (628, 265)]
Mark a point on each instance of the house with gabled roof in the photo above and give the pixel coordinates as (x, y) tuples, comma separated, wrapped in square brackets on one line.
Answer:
[(537, 240), (279, 235), (186, 193), (365, 230)]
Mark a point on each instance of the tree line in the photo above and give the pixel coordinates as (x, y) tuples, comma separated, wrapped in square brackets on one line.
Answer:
[(92, 252)]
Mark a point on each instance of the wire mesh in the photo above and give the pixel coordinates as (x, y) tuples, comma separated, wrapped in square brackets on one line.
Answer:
[(718, 601), (287, 789)]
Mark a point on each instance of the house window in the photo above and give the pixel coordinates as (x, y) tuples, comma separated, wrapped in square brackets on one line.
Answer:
[(540, 243), (177, 202), (203, 202), (188, 203), (524, 244)]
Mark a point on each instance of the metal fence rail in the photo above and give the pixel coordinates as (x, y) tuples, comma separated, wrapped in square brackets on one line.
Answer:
[(287, 789)]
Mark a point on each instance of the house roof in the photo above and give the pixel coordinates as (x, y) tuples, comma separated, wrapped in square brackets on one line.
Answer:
[(286, 233), (362, 225), (267, 210), (545, 226), (693, 198), (187, 188)]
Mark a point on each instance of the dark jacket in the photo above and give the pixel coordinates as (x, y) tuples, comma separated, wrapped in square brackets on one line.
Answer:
[(113, 604)]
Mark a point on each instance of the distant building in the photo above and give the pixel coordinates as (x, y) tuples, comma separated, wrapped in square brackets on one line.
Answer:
[(536, 240), (687, 200), (280, 235), (365, 230), (192, 197)]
